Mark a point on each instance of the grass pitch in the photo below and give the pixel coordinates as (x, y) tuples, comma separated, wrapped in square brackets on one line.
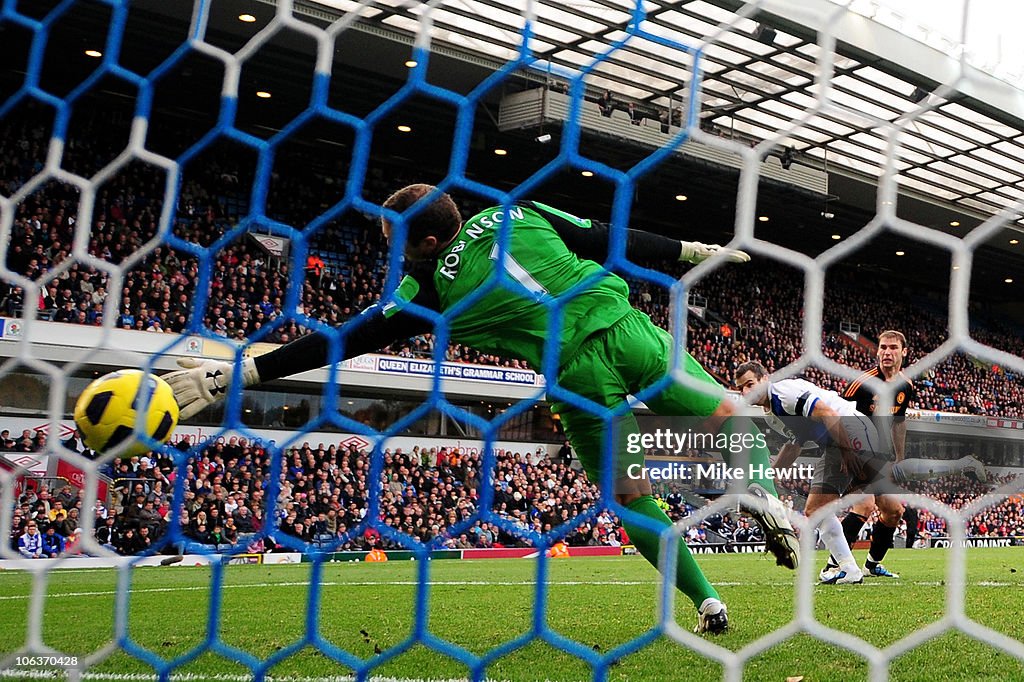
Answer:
[(601, 603)]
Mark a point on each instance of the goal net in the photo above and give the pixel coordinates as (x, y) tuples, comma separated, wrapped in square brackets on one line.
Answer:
[(213, 173)]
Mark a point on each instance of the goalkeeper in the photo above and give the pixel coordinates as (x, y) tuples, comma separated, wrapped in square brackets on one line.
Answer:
[(608, 349)]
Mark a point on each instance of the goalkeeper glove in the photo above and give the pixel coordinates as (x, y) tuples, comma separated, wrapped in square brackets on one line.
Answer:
[(201, 383), (695, 252)]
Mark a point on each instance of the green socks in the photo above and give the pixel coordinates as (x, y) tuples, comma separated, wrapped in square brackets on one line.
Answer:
[(689, 578), (759, 463)]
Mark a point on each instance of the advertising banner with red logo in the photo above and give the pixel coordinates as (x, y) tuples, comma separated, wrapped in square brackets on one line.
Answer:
[(203, 435), (76, 477)]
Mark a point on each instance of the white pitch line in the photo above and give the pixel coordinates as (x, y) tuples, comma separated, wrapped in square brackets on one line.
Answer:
[(479, 583), (333, 564), (361, 583)]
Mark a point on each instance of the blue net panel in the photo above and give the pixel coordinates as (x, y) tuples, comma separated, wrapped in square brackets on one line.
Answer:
[(146, 160), (242, 200)]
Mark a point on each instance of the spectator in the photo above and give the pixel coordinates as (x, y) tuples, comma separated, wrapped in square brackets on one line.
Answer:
[(565, 454), (57, 512), (635, 117), (148, 517), (128, 544), (69, 525), (143, 540), (108, 535), (53, 543), (30, 545), (201, 535), (216, 538), (229, 532)]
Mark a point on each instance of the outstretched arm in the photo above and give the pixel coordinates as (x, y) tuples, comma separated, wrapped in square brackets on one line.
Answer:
[(589, 239), (376, 330), (203, 382)]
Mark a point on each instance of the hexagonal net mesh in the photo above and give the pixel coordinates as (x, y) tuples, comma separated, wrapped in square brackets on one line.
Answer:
[(661, 58)]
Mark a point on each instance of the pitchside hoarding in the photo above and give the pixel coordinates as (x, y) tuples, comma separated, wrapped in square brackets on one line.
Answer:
[(209, 436)]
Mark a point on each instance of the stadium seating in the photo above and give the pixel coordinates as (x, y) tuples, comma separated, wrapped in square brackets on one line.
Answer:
[(248, 288), (426, 491)]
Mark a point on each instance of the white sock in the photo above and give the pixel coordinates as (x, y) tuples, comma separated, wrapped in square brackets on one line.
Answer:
[(832, 536)]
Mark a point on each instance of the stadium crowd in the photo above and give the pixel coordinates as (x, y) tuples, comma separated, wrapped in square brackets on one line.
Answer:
[(345, 274), (1004, 518), (322, 493), (432, 494), (321, 498)]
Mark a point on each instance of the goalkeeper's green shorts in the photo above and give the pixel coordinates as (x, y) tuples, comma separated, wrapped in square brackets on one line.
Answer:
[(630, 356)]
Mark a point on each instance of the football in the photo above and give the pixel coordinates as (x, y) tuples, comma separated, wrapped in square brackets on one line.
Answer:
[(106, 411)]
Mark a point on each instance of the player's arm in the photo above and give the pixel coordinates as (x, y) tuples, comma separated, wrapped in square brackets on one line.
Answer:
[(899, 425), (899, 438), (590, 239), (796, 397), (787, 455), (203, 382), (375, 330), (791, 450)]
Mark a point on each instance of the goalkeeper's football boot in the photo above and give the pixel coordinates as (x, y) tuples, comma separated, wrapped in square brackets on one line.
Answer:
[(773, 517), (879, 571), (712, 617)]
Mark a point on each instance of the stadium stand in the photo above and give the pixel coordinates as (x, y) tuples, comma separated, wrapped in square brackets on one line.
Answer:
[(426, 491), (1005, 519), (247, 287), (323, 494)]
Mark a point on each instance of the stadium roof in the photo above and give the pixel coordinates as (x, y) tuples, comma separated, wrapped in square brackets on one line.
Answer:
[(962, 159), (964, 146)]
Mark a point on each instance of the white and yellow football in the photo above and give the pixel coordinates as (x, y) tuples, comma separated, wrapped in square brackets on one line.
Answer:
[(106, 411)]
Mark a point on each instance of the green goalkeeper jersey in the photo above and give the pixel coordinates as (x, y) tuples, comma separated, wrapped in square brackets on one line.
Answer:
[(551, 263), (514, 312)]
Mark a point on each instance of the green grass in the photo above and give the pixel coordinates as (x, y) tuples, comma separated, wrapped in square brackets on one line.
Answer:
[(601, 603)]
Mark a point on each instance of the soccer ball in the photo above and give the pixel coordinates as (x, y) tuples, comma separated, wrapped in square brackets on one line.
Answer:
[(105, 412)]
